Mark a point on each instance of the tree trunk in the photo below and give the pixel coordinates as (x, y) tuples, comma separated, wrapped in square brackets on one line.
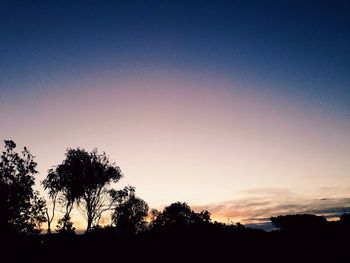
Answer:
[(48, 221), (69, 208), (48, 227), (89, 224)]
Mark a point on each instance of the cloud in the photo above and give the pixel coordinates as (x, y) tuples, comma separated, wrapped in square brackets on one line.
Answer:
[(256, 206)]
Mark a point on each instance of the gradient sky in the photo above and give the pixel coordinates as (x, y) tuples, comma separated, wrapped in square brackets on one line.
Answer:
[(239, 107)]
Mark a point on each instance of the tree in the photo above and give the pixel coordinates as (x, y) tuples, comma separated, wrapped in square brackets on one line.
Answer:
[(21, 208), (63, 186), (53, 184), (179, 214), (84, 177), (130, 212), (299, 222)]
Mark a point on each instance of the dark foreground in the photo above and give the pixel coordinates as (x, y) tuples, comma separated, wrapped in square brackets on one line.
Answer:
[(183, 245)]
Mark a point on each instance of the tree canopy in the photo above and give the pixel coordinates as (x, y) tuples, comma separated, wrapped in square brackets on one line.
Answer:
[(21, 208), (130, 212), (179, 214), (84, 178)]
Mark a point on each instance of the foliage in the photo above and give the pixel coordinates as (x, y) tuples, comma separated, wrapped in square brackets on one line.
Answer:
[(65, 225), (130, 212), (53, 185), (21, 208), (83, 177), (62, 187), (179, 214)]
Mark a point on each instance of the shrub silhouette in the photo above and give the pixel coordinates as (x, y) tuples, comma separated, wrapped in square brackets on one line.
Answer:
[(299, 222), (65, 225)]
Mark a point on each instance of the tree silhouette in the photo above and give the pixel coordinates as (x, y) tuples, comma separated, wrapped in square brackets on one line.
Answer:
[(130, 212), (21, 208), (63, 186), (51, 183), (65, 225), (299, 222), (84, 177), (179, 214)]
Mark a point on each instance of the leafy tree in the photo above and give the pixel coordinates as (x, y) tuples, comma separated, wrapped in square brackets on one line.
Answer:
[(21, 208), (63, 186), (179, 214), (130, 212), (84, 177)]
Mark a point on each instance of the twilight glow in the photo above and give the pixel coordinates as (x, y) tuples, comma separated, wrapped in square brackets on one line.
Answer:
[(244, 128)]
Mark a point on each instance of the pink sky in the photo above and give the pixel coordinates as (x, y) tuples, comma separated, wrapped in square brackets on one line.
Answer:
[(204, 139)]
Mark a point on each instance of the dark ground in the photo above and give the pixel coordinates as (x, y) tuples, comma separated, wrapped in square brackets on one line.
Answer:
[(183, 245)]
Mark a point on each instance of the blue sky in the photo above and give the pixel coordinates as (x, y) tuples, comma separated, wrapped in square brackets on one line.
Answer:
[(301, 48)]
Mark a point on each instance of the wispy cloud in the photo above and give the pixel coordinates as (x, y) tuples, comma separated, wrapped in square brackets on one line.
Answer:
[(256, 206)]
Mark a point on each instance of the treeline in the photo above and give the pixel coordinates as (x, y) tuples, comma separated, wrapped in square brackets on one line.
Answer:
[(86, 181)]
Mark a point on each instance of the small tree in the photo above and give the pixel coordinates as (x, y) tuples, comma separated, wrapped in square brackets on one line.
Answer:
[(130, 212), (179, 214), (21, 208), (51, 183), (63, 188)]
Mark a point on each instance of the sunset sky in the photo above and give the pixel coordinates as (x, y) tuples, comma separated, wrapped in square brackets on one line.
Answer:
[(239, 107)]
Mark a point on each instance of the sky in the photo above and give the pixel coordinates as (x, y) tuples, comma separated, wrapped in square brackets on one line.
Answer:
[(239, 107)]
